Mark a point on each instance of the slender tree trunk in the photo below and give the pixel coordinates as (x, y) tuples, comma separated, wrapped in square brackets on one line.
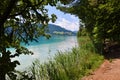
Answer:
[(3, 68), (2, 76), (4, 17)]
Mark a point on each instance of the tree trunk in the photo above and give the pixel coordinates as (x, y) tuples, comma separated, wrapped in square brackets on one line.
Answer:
[(2, 76), (3, 68)]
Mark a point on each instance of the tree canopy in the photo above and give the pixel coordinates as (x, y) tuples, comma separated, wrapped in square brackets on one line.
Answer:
[(100, 17), (19, 21)]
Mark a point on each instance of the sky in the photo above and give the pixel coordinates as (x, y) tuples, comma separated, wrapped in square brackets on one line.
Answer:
[(64, 20)]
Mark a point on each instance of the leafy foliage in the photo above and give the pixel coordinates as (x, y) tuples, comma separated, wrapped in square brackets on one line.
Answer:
[(100, 17), (82, 31), (18, 23)]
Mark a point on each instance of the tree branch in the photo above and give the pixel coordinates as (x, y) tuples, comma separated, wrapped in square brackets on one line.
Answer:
[(28, 5), (7, 12), (4, 17)]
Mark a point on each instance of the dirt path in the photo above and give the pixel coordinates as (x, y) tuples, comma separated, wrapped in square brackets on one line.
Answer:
[(109, 70)]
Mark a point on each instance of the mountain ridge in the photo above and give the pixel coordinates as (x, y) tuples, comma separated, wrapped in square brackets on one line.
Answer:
[(55, 29)]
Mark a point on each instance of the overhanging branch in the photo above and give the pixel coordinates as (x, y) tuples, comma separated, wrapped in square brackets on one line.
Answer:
[(28, 5)]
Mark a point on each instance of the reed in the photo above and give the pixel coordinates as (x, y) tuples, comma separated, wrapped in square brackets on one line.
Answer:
[(71, 65)]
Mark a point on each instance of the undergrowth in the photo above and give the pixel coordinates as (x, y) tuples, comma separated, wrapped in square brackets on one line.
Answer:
[(72, 65)]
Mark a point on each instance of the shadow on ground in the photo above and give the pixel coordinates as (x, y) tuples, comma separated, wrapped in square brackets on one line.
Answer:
[(112, 52)]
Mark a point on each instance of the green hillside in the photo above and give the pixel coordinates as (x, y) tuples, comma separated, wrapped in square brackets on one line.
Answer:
[(55, 29)]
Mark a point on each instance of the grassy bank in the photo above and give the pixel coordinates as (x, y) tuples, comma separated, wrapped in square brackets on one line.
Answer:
[(71, 65)]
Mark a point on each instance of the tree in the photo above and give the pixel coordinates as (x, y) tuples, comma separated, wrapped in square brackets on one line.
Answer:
[(19, 21), (101, 19), (82, 31)]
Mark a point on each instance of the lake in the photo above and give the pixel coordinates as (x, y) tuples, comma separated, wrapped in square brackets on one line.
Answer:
[(46, 49)]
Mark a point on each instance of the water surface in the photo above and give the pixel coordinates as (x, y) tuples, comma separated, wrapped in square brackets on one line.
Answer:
[(44, 49)]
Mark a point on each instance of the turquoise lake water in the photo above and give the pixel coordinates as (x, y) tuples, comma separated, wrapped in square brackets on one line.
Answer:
[(46, 49)]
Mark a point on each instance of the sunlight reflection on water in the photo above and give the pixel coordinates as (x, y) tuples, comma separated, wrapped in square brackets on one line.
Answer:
[(45, 51)]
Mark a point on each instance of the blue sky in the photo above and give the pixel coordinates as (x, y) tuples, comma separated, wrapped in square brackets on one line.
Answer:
[(64, 20)]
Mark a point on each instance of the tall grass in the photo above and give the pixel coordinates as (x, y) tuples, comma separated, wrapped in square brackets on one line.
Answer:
[(72, 65)]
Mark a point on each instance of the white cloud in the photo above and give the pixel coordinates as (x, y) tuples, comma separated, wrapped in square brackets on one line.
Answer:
[(72, 25), (73, 17)]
